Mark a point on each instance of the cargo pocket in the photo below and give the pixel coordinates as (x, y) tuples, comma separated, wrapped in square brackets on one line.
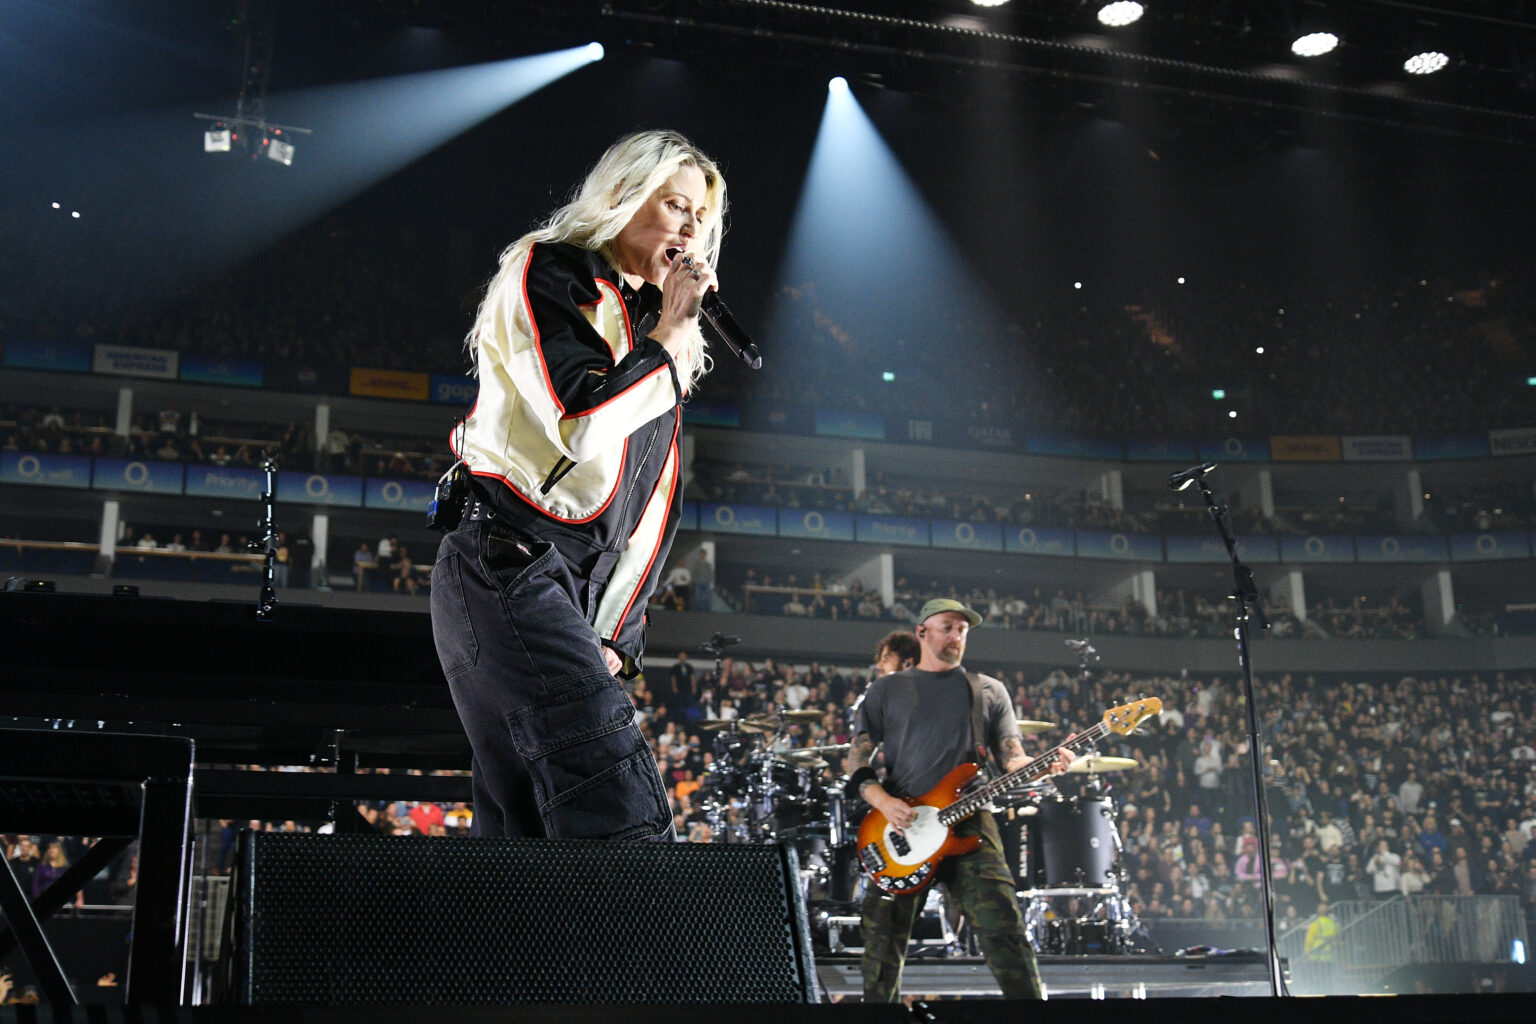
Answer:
[(593, 772), (453, 632)]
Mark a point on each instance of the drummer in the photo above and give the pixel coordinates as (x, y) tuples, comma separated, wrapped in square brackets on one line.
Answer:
[(897, 651)]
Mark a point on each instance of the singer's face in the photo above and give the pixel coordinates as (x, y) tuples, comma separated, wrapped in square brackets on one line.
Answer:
[(670, 219)]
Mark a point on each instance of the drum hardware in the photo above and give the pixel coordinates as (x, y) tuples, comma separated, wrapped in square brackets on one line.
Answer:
[(1070, 852)]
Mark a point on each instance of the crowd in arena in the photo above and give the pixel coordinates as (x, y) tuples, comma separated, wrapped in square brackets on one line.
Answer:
[(1375, 787)]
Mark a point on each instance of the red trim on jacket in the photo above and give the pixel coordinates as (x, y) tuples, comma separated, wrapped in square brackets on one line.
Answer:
[(661, 537), (538, 343), (541, 510), (588, 412)]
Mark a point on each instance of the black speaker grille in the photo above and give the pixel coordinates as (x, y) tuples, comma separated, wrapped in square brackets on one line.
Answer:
[(375, 919)]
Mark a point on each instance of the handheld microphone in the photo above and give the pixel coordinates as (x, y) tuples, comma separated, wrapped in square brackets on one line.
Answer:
[(1184, 478), (719, 316)]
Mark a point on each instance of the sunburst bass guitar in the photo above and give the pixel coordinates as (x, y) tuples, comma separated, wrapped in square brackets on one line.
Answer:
[(904, 861)]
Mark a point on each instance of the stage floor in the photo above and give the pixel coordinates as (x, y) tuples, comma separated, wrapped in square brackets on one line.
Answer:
[(1072, 977)]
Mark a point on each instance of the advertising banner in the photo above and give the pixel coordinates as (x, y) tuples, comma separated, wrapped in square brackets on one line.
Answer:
[(319, 489), (1512, 442), (127, 361), (240, 373), (1305, 448), (213, 482), (454, 389), (397, 495), (45, 469), (26, 354), (861, 426), (1210, 548), (1235, 449), (134, 475), (1379, 448), (1039, 540), (1135, 547), (966, 536), (1400, 548), (873, 529), (388, 384), (758, 520), (1073, 447), (711, 414), (1487, 547), (1467, 446), (1317, 549), (815, 524)]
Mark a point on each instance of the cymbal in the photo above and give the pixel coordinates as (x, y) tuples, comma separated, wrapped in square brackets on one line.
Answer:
[(773, 719), (1093, 764), (747, 725), (801, 759), (835, 748), (1031, 726)]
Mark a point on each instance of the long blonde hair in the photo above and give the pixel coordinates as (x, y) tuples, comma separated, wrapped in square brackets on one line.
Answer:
[(613, 191)]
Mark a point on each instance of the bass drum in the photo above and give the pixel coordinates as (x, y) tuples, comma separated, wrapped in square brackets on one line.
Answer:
[(1065, 844)]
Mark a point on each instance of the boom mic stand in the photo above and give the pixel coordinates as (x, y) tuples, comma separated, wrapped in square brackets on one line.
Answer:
[(1248, 607)]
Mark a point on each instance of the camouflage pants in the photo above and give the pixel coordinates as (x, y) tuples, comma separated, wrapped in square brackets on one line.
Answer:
[(981, 884)]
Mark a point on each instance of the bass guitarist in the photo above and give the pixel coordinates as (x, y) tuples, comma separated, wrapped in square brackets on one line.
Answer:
[(926, 718)]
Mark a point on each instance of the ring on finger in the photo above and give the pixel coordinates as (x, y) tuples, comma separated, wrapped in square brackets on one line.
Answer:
[(695, 275)]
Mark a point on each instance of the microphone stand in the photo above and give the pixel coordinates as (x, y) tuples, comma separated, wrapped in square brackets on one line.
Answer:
[(266, 602), (1249, 607)]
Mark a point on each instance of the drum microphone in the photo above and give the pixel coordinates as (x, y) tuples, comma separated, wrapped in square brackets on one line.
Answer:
[(719, 316)]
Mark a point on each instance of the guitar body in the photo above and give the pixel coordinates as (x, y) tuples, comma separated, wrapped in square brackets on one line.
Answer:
[(904, 862)]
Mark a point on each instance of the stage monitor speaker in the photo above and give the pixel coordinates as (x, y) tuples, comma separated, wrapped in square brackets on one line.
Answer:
[(328, 919)]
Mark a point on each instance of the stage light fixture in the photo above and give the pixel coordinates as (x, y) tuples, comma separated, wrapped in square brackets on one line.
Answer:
[(989, 3), (1426, 63), (278, 150), (838, 85), (1315, 44), (595, 52), (1121, 13), (216, 140)]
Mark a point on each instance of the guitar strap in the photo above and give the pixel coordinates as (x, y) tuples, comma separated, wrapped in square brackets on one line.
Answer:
[(979, 726)]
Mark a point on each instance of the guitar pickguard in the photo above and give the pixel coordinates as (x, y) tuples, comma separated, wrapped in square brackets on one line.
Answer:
[(919, 841)]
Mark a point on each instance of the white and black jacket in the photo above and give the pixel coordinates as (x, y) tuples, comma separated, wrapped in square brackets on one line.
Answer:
[(574, 434)]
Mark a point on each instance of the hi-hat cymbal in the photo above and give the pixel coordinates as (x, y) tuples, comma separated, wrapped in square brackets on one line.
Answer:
[(1031, 726), (1093, 764), (801, 759)]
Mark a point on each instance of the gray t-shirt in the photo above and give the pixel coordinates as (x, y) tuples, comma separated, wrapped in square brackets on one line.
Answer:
[(924, 721)]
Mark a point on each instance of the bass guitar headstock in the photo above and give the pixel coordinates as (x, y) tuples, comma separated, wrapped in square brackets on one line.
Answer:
[(1126, 717)]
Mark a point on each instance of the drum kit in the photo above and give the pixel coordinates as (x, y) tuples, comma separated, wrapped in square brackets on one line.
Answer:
[(1060, 837)]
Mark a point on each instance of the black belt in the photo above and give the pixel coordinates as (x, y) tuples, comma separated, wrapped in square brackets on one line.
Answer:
[(476, 510)]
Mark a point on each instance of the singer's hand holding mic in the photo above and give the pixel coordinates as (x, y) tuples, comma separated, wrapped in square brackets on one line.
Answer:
[(693, 277)]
